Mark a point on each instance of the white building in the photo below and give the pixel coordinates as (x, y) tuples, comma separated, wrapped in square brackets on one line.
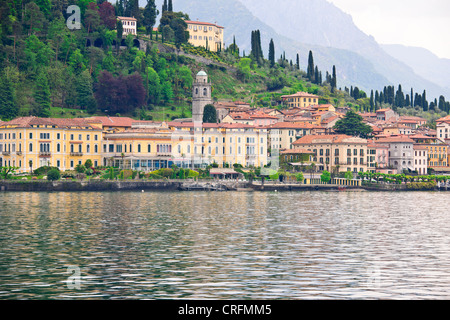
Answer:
[(129, 25)]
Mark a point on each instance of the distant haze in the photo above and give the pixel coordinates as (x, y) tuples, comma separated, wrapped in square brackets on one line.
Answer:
[(415, 23)]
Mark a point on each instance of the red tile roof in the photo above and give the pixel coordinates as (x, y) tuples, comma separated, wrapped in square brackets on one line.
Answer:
[(204, 23), (26, 122), (310, 139), (114, 121), (300, 95)]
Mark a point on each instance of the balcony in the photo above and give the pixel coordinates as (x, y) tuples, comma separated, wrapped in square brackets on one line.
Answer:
[(19, 153), (76, 154), (6, 153), (45, 154)]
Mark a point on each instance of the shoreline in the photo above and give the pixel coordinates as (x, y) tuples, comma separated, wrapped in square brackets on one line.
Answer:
[(183, 185)]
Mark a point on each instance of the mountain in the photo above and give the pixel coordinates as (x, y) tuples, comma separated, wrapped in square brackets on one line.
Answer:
[(302, 25), (322, 23), (423, 62), (352, 69)]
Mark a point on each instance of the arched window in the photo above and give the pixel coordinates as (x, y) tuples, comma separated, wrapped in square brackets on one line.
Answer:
[(196, 90), (205, 92)]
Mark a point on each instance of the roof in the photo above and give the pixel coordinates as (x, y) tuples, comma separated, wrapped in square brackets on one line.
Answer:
[(297, 151), (301, 95), (203, 23), (397, 139), (127, 18), (114, 121), (339, 138), (202, 73), (27, 122), (445, 119), (291, 125), (383, 110)]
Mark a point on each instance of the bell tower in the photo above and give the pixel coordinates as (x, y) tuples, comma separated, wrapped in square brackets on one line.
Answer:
[(201, 95)]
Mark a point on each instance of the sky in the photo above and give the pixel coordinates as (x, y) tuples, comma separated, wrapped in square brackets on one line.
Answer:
[(415, 23)]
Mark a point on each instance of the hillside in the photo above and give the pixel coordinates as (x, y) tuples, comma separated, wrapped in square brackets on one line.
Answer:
[(323, 28), (322, 23), (352, 68)]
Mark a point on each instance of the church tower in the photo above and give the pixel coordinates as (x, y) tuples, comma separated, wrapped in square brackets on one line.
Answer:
[(201, 95)]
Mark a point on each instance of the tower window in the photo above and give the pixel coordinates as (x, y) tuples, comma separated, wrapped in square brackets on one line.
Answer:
[(205, 92)]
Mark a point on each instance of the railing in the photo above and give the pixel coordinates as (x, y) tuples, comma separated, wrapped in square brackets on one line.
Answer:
[(6, 153), (19, 153), (76, 154), (45, 154)]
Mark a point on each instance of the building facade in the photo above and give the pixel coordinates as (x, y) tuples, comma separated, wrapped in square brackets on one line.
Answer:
[(401, 152), (336, 153), (300, 100), (207, 35), (129, 25), (29, 143)]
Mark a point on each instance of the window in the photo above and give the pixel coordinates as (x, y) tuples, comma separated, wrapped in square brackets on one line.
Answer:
[(31, 135), (149, 148), (88, 137), (31, 147), (71, 137), (96, 148), (139, 148)]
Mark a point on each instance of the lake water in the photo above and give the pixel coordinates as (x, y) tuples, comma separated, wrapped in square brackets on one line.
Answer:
[(225, 245)]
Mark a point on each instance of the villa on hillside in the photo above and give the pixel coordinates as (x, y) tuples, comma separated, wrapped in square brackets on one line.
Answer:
[(129, 25), (300, 99), (207, 35)]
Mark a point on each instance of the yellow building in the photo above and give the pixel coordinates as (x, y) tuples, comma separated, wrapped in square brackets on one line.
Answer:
[(339, 153), (207, 35), (300, 100), (224, 144), (30, 143)]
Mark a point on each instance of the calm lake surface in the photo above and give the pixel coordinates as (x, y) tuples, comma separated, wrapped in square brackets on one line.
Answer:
[(225, 245)]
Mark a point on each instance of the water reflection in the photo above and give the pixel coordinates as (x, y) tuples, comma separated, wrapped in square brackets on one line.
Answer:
[(232, 245)]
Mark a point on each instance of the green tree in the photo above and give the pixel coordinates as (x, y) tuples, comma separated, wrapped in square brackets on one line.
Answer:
[(150, 14), (53, 175), (8, 102), (311, 70), (352, 124), (84, 89), (209, 114), (348, 175), (325, 177), (88, 164), (119, 29), (42, 97), (272, 53)]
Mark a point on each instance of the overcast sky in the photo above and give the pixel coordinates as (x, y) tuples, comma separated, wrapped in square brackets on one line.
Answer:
[(416, 23)]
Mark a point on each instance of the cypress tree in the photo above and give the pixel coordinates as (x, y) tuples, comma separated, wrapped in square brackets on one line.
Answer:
[(372, 102), (164, 7), (310, 71), (272, 53), (316, 75), (424, 101), (170, 6), (377, 97), (42, 96), (333, 80), (298, 62), (150, 14)]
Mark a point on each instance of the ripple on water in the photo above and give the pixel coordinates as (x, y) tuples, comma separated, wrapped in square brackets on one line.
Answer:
[(225, 245)]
